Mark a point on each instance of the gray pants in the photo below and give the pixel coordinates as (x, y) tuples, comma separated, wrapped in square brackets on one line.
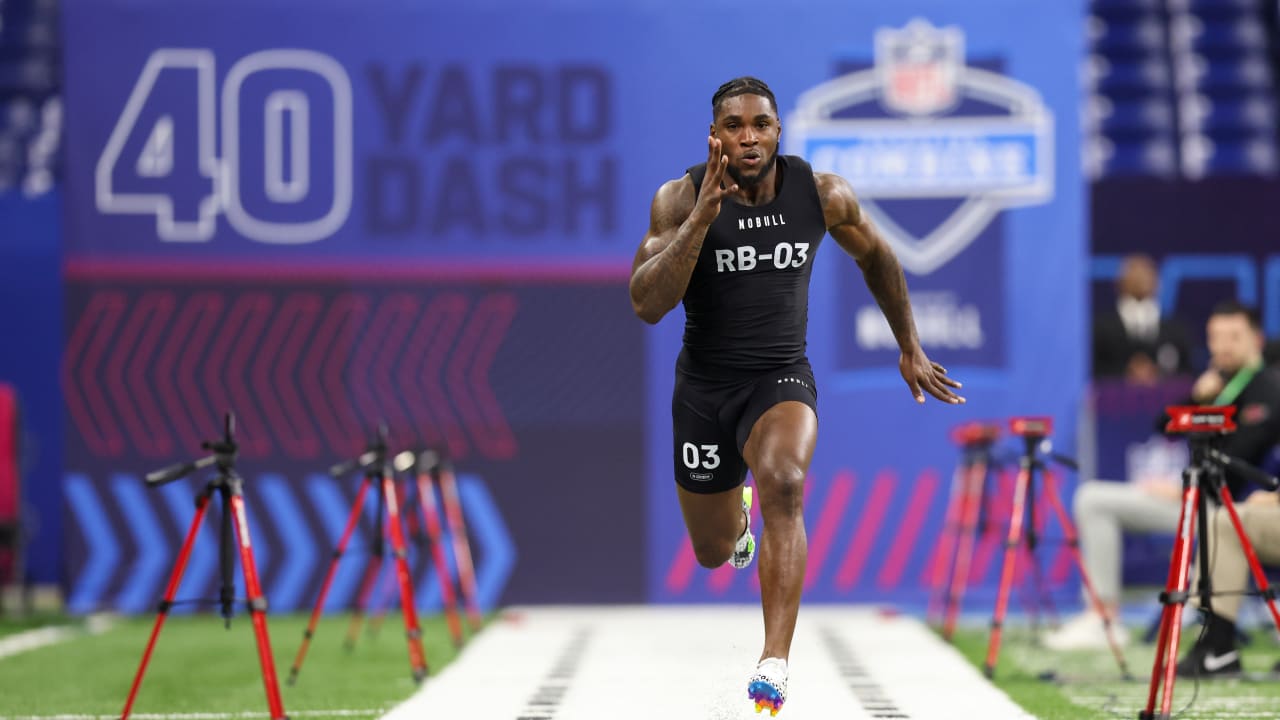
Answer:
[(1229, 570), (1103, 511)]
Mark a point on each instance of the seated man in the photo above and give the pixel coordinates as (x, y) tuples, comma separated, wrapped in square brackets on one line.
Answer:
[(1104, 510), (1215, 652)]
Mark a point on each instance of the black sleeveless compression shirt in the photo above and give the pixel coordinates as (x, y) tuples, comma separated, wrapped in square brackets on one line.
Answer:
[(747, 304)]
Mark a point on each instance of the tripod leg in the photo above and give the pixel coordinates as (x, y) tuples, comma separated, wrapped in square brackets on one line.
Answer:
[(368, 583), (971, 505), (374, 566), (257, 607), (1073, 546), (1027, 583), (461, 546), (388, 589), (1164, 668), (413, 633), (1010, 562), (431, 521), (1030, 537), (352, 521), (162, 613), (1044, 600), (1259, 576), (380, 605), (947, 541)]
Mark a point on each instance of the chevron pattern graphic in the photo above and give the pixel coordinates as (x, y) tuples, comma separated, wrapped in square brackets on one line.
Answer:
[(130, 535), (306, 371)]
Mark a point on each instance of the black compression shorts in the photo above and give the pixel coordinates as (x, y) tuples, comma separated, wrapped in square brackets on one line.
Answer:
[(710, 422)]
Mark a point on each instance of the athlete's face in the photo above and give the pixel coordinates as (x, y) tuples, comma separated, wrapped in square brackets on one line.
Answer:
[(748, 128)]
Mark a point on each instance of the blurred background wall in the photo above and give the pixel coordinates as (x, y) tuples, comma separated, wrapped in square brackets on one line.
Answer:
[(327, 215)]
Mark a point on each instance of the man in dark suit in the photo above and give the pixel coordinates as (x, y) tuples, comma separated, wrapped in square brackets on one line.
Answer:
[(1131, 339)]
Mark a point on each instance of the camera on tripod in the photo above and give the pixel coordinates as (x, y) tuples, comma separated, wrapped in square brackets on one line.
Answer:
[(1031, 427), (1196, 419), (1204, 477)]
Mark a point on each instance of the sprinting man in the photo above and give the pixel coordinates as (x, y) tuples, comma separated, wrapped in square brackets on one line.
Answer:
[(735, 239)]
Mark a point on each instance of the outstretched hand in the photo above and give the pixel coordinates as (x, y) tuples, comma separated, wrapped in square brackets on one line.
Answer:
[(923, 375), (711, 192)]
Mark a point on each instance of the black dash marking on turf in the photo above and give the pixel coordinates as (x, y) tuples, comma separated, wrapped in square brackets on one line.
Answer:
[(870, 694), (547, 698)]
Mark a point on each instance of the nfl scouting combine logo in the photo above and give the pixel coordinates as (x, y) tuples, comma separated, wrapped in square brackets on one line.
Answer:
[(921, 125)]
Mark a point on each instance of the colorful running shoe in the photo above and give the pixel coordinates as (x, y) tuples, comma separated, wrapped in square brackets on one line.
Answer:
[(746, 547), (768, 687)]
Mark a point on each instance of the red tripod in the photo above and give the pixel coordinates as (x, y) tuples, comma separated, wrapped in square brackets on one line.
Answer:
[(234, 529), (441, 470), (375, 463), (1204, 427), (424, 484), (964, 521), (1033, 431), (424, 467)]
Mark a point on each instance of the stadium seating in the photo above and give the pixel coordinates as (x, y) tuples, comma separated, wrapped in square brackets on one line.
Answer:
[(1194, 80), (30, 104)]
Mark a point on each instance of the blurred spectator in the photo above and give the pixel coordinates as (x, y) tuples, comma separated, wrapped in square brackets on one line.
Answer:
[(1131, 339), (1105, 510)]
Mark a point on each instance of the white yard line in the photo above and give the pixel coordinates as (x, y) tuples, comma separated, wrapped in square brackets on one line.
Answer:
[(46, 636), (35, 639), (582, 663)]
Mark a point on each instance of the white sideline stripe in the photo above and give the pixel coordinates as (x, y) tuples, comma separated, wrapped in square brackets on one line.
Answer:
[(44, 637), (34, 639), (204, 716), (692, 663)]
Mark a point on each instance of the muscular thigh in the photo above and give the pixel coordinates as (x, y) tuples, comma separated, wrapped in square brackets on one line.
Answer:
[(706, 458), (779, 427)]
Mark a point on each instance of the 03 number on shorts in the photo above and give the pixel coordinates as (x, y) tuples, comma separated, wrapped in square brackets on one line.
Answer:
[(707, 459)]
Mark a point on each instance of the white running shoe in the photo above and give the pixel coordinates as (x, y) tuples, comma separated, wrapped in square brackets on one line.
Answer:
[(768, 687), (745, 549), (1085, 632)]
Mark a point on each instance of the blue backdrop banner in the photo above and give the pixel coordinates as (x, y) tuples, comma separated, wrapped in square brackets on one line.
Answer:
[(499, 150)]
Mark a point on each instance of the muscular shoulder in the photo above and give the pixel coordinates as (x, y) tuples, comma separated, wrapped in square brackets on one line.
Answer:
[(839, 203), (672, 203)]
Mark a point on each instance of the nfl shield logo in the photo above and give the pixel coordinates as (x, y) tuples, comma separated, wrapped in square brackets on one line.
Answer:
[(889, 129), (919, 66)]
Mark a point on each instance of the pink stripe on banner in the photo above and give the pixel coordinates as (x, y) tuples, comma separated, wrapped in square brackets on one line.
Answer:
[(1060, 570), (1063, 563), (293, 270), (868, 527), (681, 570), (997, 530), (908, 532), (950, 524), (828, 522)]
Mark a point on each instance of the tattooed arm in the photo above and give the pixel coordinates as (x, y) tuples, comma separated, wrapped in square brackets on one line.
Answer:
[(851, 228), (677, 228), (666, 258)]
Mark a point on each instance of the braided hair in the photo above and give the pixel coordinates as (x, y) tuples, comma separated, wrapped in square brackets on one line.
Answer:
[(745, 85)]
